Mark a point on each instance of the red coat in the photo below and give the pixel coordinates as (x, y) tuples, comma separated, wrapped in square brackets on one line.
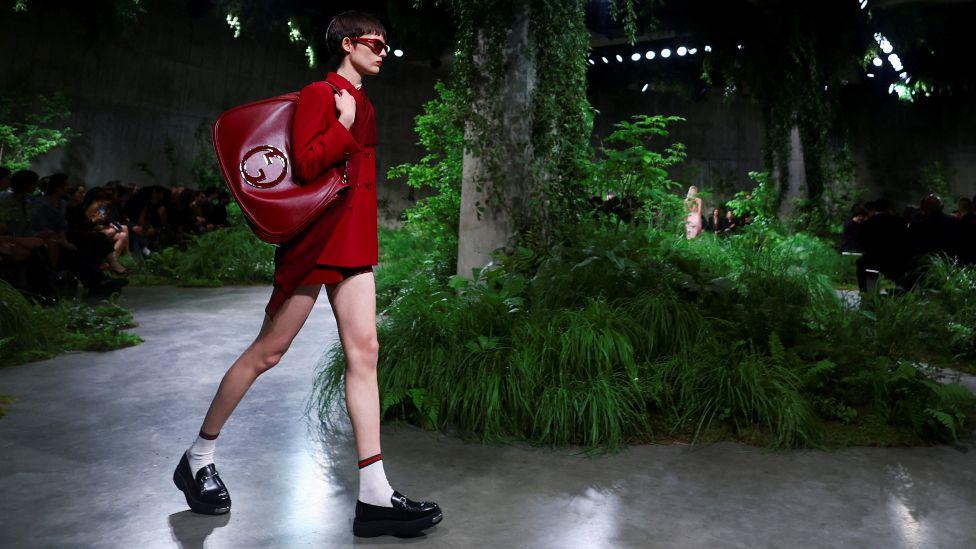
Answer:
[(346, 235)]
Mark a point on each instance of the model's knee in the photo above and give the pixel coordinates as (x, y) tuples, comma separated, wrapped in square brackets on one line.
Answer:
[(362, 352), (267, 357)]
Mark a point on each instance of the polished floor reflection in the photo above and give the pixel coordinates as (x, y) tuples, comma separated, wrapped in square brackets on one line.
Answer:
[(87, 453)]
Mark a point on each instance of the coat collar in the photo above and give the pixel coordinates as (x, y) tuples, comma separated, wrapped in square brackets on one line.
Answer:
[(342, 83)]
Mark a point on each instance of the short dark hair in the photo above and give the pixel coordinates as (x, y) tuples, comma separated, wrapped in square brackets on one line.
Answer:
[(22, 180), (55, 182), (351, 24)]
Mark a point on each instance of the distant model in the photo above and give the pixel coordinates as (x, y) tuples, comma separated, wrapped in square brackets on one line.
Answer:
[(693, 205), (328, 128)]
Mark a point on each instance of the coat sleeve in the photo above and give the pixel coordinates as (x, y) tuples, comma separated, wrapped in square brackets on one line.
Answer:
[(318, 139)]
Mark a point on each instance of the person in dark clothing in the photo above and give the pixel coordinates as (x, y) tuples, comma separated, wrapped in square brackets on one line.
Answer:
[(933, 232), (730, 222), (883, 238), (93, 246), (966, 235), (218, 213), (716, 222), (850, 238), (24, 259)]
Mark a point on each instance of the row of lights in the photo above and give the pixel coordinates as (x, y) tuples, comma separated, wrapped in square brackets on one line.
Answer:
[(900, 88), (883, 43), (665, 53)]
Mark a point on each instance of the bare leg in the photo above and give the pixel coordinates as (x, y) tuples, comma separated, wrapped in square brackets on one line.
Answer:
[(120, 242), (263, 354), (354, 304), (122, 245)]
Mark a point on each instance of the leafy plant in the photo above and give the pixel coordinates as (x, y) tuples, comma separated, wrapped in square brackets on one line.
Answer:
[(627, 334), (229, 255), (29, 332), (936, 178), (632, 169), (31, 127)]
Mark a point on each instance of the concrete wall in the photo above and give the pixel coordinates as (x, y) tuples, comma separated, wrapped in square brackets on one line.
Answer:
[(892, 141), (895, 142), (723, 139), (170, 74), (135, 95)]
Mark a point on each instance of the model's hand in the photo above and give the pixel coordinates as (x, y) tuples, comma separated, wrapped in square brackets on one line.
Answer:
[(346, 105)]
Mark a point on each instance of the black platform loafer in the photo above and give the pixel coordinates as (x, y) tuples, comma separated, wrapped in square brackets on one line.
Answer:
[(405, 518), (205, 493)]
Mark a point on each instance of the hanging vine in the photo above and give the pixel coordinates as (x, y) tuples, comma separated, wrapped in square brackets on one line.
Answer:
[(792, 60), (561, 117)]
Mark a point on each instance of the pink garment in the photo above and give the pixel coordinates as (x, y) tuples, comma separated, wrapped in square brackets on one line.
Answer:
[(693, 224)]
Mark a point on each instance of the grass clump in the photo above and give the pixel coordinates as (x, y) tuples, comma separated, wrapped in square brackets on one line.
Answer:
[(614, 332), (230, 255), (632, 334), (29, 332)]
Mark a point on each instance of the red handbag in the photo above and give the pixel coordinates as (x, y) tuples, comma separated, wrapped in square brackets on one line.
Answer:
[(253, 145)]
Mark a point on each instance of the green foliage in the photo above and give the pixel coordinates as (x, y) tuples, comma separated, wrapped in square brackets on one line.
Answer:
[(952, 288), (30, 128), (631, 168), (29, 332), (759, 204), (936, 178), (626, 334), (404, 254), (560, 118), (794, 61), (230, 255), (441, 132), (204, 170)]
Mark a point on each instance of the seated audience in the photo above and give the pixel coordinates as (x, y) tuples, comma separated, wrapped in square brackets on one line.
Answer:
[(716, 222), (730, 221), (883, 238), (850, 239), (933, 231)]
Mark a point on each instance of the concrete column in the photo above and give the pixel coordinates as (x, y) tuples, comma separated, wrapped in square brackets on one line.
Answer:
[(796, 186), (485, 227)]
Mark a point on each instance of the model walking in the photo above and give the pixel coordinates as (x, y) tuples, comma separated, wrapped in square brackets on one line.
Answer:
[(693, 204), (338, 251)]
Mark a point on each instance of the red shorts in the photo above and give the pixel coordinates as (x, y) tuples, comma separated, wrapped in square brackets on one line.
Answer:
[(319, 275)]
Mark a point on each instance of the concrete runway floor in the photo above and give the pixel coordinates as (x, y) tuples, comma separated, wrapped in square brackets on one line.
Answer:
[(87, 454)]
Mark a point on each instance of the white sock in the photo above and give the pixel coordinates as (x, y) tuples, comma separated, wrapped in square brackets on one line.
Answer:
[(200, 454), (374, 489)]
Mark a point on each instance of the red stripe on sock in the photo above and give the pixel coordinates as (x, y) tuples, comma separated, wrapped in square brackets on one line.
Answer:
[(205, 436), (370, 460)]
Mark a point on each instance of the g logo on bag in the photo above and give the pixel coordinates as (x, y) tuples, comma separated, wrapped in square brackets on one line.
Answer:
[(266, 155)]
